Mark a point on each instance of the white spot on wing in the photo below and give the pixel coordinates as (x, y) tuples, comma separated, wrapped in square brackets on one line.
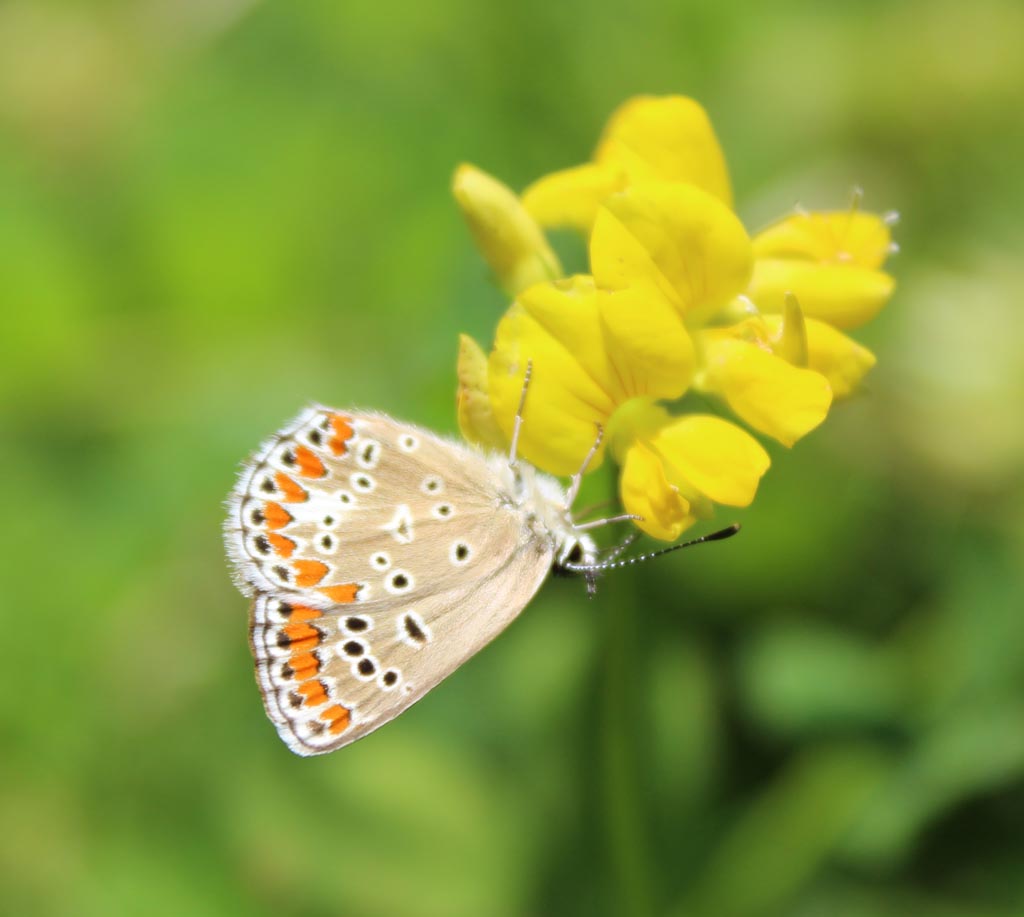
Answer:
[(362, 483), (364, 663), (368, 454), (399, 582), (412, 630), (432, 485), (325, 544), (400, 526), (460, 553)]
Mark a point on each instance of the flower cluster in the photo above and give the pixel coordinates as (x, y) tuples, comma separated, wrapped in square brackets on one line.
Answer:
[(679, 298)]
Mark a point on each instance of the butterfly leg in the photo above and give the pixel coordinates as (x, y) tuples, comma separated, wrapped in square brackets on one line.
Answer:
[(597, 523), (616, 552), (512, 458), (608, 557), (577, 479)]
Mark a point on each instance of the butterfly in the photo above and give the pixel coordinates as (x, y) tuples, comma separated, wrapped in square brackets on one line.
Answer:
[(379, 557)]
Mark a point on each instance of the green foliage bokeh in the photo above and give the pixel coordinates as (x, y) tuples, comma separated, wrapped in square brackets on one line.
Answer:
[(215, 211)]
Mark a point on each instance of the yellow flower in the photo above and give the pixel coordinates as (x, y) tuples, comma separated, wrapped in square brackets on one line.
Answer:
[(744, 365), (648, 138), (679, 297), (508, 237), (681, 243), (831, 263), (673, 468)]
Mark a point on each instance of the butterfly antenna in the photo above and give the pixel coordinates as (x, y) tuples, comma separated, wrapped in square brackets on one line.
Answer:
[(519, 415), (629, 561)]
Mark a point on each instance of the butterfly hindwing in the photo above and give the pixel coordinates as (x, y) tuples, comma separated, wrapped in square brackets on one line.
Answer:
[(330, 677)]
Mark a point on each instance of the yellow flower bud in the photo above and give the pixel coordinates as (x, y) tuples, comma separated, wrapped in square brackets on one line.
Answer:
[(476, 416), (511, 242)]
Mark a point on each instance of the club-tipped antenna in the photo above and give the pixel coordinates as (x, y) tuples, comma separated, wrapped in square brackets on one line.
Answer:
[(629, 561)]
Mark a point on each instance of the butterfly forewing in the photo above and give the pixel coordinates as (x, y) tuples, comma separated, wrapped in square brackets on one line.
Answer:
[(381, 557)]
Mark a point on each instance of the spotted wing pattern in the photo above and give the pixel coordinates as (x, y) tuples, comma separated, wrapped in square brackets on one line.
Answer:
[(380, 557)]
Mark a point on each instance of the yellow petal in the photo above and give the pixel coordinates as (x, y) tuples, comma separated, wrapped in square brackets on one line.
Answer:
[(619, 261), (694, 241), (511, 242), (666, 138), (557, 328), (839, 358), (650, 351), (764, 390), (715, 457), (476, 418), (836, 237), (571, 197), (645, 491), (844, 296)]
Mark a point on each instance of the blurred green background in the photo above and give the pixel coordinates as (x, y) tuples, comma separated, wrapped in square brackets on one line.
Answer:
[(214, 211)]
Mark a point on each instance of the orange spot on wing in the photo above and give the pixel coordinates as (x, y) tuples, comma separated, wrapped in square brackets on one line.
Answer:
[(309, 572), (342, 427), (315, 693), (304, 665), (276, 515), (293, 493), (342, 594), (302, 637), (309, 465), (281, 544), (301, 613), (339, 717)]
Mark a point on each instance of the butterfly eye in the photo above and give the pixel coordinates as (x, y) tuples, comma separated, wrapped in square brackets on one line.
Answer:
[(575, 554)]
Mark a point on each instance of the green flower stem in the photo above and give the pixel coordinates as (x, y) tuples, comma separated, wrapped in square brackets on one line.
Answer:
[(623, 794)]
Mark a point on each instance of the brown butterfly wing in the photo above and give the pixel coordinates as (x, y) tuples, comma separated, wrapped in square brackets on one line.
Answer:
[(381, 557)]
